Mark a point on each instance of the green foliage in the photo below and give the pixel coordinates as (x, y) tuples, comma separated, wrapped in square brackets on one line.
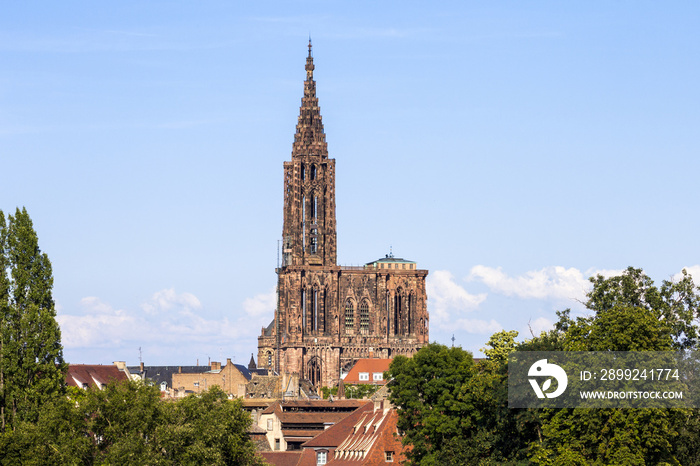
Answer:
[(131, 425), (128, 423), (360, 391), (122, 418), (32, 369), (453, 411), (501, 345), (630, 314), (326, 392), (59, 437), (677, 304), (208, 429)]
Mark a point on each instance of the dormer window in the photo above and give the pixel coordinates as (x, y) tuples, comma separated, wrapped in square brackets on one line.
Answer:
[(321, 457)]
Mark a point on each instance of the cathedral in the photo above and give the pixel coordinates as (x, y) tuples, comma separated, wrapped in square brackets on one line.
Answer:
[(329, 316)]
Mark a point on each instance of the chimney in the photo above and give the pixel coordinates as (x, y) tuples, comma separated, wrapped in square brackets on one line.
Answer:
[(179, 370), (141, 366), (215, 366), (228, 361)]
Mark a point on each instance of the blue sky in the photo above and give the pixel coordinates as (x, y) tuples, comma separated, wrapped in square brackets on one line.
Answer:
[(511, 148)]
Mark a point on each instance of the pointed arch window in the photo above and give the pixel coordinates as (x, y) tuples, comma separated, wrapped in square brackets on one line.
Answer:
[(364, 317), (303, 223), (314, 241), (303, 309), (313, 172), (349, 315), (388, 314), (314, 309)]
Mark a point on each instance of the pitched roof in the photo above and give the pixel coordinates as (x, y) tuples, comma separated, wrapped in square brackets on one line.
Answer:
[(370, 366), (281, 458), (159, 374), (334, 436), (91, 375), (360, 438)]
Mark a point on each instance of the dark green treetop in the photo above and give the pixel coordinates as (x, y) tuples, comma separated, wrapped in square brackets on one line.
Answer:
[(31, 356)]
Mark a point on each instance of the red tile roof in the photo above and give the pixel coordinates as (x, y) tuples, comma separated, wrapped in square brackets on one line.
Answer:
[(362, 438), (282, 458), (371, 366), (90, 375)]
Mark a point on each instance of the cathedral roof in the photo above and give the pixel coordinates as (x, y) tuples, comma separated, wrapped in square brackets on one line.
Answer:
[(390, 259)]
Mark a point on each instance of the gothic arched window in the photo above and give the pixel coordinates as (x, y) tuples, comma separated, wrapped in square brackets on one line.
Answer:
[(314, 309), (364, 317), (349, 315), (409, 316)]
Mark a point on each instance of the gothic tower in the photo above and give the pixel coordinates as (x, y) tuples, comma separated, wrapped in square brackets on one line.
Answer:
[(309, 236), (328, 316)]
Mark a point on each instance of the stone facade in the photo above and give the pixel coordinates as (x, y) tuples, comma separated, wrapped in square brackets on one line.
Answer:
[(230, 378), (328, 316)]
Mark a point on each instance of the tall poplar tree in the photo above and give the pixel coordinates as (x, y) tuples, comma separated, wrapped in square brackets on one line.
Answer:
[(31, 356)]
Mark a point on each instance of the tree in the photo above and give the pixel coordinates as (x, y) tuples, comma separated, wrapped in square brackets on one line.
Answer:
[(130, 424), (630, 314), (207, 429), (424, 388), (454, 411), (32, 369), (676, 303)]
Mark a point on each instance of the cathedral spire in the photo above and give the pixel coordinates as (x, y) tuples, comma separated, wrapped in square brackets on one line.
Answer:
[(309, 233), (310, 138)]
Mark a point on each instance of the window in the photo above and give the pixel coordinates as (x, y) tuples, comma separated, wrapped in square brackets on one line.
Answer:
[(196, 384), (277, 444), (389, 456), (377, 376), (269, 424), (364, 375), (364, 317), (321, 457), (349, 315), (314, 241)]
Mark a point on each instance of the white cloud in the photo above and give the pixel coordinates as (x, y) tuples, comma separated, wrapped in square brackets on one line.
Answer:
[(168, 300), (100, 326), (554, 282), (445, 296), (261, 304), (693, 270), (173, 325), (475, 326), (448, 302), (536, 327)]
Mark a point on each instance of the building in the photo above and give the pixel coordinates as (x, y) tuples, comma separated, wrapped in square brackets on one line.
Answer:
[(368, 371), (231, 378), (291, 423), (329, 316), (365, 437), (94, 375)]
